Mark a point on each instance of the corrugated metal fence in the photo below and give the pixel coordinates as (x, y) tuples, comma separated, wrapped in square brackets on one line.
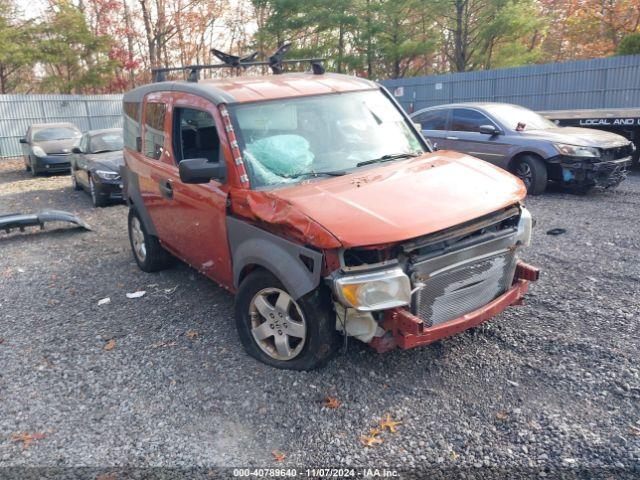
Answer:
[(88, 112), (600, 83)]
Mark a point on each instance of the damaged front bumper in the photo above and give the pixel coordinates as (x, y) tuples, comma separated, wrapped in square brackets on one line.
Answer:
[(405, 330), (585, 173)]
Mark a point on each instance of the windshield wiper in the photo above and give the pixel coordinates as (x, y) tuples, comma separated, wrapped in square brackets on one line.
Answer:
[(103, 151), (336, 173), (386, 158)]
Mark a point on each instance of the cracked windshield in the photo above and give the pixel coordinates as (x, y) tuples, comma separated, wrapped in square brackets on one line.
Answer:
[(298, 139)]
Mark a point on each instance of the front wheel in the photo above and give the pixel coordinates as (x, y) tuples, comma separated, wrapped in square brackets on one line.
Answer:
[(74, 181), (280, 331), (149, 254), (34, 172), (533, 172), (96, 199)]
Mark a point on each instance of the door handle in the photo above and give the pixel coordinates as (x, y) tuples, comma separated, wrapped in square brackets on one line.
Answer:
[(452, 138), (166, 189)]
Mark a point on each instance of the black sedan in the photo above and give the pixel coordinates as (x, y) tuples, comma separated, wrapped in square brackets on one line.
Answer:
[(95, 165), (46, 147)]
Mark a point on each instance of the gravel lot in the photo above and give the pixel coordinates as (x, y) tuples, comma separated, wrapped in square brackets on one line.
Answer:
[(551, 387)]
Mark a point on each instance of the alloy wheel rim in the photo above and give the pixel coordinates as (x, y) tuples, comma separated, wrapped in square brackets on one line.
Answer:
[(524, 173), (277, 324), (137, 238)]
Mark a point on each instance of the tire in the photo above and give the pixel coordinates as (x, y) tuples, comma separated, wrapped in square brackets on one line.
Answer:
[(150, 256), (34, 172), (74, 181), (97, 200), (312, 314), (27, 167), (533, 172)]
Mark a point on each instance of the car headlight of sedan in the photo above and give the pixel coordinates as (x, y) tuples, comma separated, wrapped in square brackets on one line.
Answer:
[(374, 291), (577, 151), (38, 151), (525, 226), (107, 175)]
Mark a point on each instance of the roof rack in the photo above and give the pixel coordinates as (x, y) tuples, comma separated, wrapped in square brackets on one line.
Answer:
[(275, 62)]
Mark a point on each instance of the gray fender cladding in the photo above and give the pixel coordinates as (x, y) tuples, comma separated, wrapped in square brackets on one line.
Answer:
[(297, 267), (132, 195)]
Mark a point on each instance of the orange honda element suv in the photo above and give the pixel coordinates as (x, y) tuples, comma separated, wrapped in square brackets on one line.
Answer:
[(313, 198)]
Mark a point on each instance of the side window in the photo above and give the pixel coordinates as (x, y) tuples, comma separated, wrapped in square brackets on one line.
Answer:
[(195, 135), (433, 120), (131, 125), (154, 129), (465, 120)]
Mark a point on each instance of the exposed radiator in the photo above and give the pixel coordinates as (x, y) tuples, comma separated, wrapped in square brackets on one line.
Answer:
[(466, 286)]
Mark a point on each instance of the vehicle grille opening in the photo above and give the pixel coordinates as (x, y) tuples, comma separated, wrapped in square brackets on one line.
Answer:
[(464, 288)]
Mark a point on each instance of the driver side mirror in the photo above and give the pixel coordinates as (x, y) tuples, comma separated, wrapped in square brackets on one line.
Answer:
[(23, 140), (199, 170), (489, 130), (76, 150)]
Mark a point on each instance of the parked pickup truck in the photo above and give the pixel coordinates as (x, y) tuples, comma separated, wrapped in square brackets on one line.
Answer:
[(314, 199)]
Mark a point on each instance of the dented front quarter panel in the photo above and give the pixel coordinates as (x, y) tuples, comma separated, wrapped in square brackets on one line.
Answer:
[(279, 216)]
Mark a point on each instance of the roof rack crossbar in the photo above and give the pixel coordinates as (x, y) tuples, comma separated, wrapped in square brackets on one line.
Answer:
[(275, 62)]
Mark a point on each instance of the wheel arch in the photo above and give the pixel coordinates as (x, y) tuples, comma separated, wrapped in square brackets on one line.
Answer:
[(524, 153), (296, 266)]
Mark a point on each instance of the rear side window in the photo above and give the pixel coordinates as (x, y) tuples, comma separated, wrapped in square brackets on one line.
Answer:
[(465, 120), (131, 125), (154, 129), (433, 120)]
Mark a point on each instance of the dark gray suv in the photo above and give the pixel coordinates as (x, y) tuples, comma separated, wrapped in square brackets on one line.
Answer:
[(529, 145)]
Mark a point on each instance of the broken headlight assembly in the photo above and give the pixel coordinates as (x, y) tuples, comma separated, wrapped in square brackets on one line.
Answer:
[(38, 151), (374, 290), (525, 227), (107, 175), (577, 151)]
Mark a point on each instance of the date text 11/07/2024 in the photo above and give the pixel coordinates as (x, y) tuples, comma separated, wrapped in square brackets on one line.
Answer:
[(316, 472)]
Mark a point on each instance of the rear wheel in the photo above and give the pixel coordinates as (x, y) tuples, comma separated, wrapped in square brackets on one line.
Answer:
[(533, 172), (149, 254), (280, 331)]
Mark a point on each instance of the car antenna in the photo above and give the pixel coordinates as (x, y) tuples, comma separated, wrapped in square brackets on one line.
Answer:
[(275, 61)]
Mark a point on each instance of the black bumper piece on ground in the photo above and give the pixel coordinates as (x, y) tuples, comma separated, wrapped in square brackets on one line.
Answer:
[(11, 221)]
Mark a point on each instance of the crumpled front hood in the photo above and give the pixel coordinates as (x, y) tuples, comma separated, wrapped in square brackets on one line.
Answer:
[(402, 200), (58, 147), (584, 137)]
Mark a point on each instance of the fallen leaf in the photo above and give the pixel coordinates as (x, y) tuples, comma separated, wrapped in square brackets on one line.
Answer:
[(389, 424), (104, 301), (138, 294), (634, 430), (278, 456), (110, 345), (370, 441), (1, 340), (502, 415), (331, 402), (374, 432), (26, 438), (191, 334), (454, 455)]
